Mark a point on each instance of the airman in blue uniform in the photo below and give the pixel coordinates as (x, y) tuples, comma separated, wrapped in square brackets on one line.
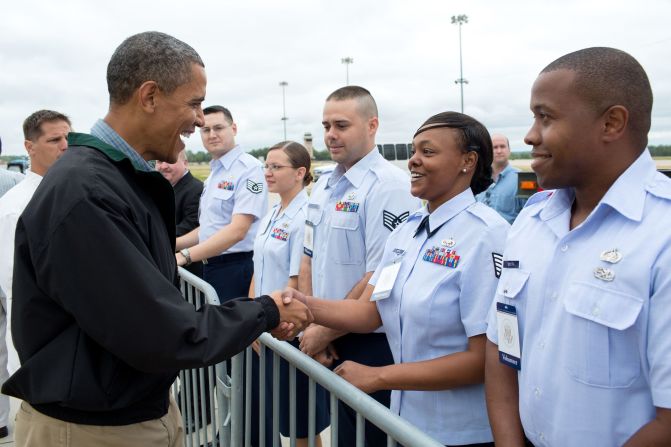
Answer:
[(581, 317), (350, 214), (433, 287)]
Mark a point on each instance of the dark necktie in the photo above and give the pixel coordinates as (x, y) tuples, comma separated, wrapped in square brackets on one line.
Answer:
[(424, 225)]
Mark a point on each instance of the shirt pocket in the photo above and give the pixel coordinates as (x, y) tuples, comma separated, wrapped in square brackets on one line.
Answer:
[(510, 284), (348, 247), (314, 215), (222, 194), (602, 337)]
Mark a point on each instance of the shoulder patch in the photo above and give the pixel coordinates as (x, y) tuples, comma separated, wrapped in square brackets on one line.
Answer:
[(253, 187), (497, 259), (391, 221)]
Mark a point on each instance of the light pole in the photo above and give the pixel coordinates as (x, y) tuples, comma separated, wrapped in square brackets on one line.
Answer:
[(283, 84), (460, 20), (347, 61)]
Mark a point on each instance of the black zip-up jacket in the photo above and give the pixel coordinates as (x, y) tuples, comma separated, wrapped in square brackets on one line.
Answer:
[(98, 322)]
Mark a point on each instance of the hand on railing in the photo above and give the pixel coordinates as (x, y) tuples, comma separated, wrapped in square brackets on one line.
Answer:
[(315, 339), (366, 378), (294, 317)]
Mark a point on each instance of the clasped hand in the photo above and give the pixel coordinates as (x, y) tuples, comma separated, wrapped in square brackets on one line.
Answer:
[(294, 317)]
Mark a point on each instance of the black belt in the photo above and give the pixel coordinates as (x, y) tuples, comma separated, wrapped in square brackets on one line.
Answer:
[(230, 257)]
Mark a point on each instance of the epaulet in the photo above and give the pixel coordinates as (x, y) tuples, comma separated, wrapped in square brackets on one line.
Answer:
[(248, 160), (486, 214), (539, 197), (386, 171), (659, 186)]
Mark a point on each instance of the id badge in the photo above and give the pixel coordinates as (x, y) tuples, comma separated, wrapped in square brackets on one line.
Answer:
[(308, 239), (385, 282), (509, 336)]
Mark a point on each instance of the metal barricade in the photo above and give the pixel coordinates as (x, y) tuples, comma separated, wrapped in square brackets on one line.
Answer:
[(204, 394), (230, 422), (366, 408)]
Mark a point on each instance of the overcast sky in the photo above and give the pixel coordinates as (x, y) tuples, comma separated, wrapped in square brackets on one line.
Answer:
[(54, 55)]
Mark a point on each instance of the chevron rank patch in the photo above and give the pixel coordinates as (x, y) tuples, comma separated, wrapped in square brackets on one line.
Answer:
[(253, 187), (391, 221), (497, 258)]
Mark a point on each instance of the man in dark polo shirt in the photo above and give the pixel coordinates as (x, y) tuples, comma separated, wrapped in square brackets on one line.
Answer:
[(187, 197)]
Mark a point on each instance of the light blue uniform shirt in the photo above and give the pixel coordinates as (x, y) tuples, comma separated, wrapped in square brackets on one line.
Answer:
[(278, 246), (352, 214), (236, 185), (596, 353), (8, 180), (502, 194), (433, 309)]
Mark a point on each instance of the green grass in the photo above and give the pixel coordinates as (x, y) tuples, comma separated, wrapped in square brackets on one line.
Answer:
[(200, 170)]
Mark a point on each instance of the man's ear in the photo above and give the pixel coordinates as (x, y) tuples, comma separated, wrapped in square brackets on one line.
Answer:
[(373, 124), (615, 120), (147, 96), (29, 147)]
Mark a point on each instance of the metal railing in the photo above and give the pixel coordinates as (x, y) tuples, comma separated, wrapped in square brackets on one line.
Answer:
[(195, 389), (226, 396)]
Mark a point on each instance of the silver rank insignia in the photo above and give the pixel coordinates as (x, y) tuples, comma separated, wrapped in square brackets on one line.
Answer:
[(449, 243), (611, 256), (604, 274)]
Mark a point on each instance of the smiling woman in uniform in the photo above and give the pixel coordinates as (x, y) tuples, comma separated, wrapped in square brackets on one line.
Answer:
[(433, 288), (278, 249)]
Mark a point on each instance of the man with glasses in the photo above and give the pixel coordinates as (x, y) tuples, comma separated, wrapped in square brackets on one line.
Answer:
[(502, 194), (233, 201)]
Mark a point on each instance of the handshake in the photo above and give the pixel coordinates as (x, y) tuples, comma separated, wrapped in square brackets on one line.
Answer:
[(294, 314)]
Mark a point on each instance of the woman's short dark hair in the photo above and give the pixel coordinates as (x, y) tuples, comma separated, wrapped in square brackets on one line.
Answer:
[(299, 157), (472, 136)]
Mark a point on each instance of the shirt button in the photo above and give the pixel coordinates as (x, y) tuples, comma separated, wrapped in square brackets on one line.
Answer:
[(537, 392), (596, 311), (542, 345), (542, 437), (564, 247), (554, 296)]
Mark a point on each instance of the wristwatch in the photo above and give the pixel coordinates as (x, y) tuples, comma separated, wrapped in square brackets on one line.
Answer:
[(185, 252)]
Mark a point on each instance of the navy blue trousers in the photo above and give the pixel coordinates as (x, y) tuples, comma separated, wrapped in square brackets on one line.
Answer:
[(231, 275), (370, 350)]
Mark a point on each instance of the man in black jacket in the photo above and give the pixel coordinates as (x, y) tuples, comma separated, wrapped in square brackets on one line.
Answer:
[(187, 199), (99, 325)]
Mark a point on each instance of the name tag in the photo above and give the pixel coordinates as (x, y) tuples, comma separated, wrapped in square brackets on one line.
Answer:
[(308, 238), (385, 282), (511, 264), (509, 336)]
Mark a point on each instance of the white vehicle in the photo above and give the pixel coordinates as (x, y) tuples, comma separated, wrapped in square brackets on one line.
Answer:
[(324, 169)]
